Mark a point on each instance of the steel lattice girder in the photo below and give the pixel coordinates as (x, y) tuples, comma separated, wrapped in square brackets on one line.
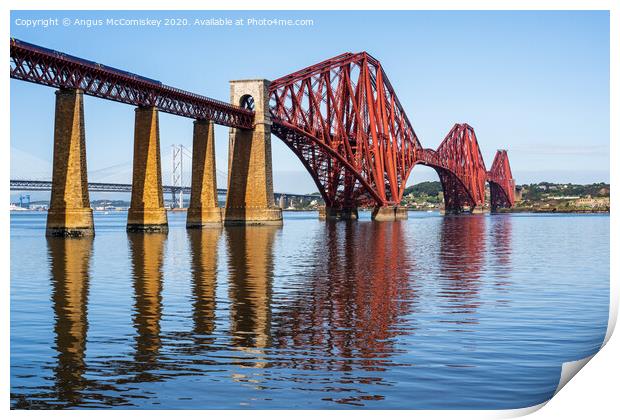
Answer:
[(501, 182), (39, 65), (461, 168), (343, 120)]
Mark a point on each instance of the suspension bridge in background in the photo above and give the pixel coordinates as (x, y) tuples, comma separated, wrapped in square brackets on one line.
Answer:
[(173, 190)]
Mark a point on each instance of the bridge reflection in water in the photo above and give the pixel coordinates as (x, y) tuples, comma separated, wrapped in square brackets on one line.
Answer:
[(147, 256), (250, 271), (203, 250), (361, 290), (462, 253), (349, 309), (500, 240), (69, 262)]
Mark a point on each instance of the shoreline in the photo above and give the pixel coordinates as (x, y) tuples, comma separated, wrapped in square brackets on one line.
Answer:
[(511, 210), (553, 210)]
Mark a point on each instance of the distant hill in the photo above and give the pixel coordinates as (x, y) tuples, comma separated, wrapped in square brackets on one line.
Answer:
[(113, 203), (549, 189), (430, 188)]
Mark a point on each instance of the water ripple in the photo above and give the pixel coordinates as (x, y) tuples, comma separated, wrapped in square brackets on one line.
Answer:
[(432, 312)]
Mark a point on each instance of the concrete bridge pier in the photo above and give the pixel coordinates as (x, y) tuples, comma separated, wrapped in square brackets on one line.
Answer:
[(203, 210), (389, 213), (69, 213), (147, 212), (250, 180), (332, 213)]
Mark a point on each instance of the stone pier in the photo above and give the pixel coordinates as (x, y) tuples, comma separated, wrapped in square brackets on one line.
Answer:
[(250, 180), (69, 213), (203, 210), (389, 213), (147, 212), (331, 213)]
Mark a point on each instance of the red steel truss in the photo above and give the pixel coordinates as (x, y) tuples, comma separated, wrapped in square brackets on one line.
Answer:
[(501, 182), (343, 120), (40, 65), (461, 169)]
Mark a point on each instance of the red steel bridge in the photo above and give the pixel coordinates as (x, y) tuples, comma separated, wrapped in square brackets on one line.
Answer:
[(341, 117), (343, 120)]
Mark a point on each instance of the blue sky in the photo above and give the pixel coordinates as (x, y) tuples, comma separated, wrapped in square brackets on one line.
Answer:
[(535, 83)]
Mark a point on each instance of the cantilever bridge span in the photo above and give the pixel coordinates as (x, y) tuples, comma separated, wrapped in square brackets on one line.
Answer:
[(341, 117)]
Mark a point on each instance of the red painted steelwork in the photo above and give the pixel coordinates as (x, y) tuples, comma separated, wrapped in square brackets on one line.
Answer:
[(343, 120), (461, 169), (501, 182), (40, 65)]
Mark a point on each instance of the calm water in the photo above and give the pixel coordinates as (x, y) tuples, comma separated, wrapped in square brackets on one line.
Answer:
[(432, 312)]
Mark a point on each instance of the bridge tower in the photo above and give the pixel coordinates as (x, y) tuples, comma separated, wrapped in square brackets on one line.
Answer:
[(250, 198), (69, 213), (24, 201), (177, 175)]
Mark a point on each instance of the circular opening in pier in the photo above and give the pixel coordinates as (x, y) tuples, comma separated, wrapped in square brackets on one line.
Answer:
[(247, 102)]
